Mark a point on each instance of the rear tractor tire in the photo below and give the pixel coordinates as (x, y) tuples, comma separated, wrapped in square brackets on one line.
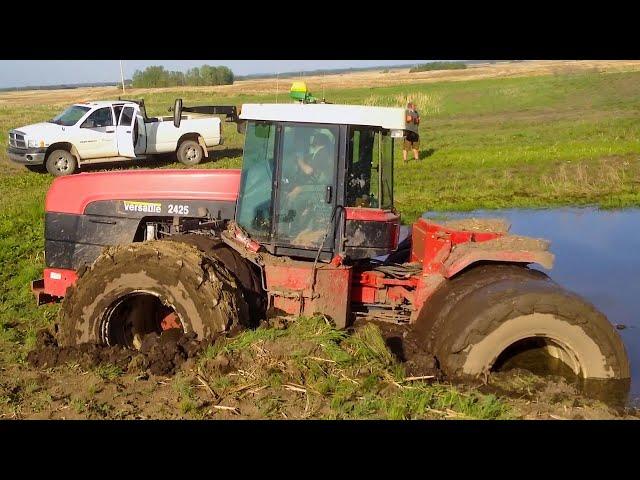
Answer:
[(190, 152), (247, 276), (136, 289), (495, 317)]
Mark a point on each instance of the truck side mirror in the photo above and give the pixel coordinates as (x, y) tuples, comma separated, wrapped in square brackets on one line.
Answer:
[(177, 112)]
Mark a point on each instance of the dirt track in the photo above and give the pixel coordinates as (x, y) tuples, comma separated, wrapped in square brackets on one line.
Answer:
[(345, 80)]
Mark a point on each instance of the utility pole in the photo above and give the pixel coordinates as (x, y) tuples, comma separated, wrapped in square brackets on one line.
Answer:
[(121, 76)]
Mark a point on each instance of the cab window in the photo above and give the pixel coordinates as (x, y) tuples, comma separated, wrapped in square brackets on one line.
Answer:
[(100, 118), (258, 164), (116, 110), (127, 117), (369, 180)]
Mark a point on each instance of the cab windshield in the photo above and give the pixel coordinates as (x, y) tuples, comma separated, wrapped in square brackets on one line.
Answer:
[(70, 116)]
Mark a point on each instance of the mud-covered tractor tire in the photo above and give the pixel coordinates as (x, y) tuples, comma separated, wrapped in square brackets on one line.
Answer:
[(199, 289), (246, 274), (491, 311)]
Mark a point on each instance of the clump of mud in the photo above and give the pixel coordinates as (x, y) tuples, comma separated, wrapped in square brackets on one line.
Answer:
[(160, 354)]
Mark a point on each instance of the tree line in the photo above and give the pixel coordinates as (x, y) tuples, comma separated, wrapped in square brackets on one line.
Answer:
[(425, 67), (157, 76)]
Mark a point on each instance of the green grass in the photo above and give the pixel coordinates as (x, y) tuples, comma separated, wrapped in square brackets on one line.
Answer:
[(569, 139), (333, 375)]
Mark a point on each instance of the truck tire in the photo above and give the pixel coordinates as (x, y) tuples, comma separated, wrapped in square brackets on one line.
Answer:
[(190, 152), (61, 162), (496, 314), (245, 273), (131, 290)]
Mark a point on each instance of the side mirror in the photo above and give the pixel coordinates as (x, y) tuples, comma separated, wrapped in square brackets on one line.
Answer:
[(177, 112)]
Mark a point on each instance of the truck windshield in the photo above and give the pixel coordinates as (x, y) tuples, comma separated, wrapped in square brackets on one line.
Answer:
[(70, 116), (254, 204), (369, 168)]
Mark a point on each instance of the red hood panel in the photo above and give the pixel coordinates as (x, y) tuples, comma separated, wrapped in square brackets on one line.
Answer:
[(73, 193)]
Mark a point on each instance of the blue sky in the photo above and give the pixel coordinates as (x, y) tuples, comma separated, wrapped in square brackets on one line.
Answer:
[(19, 73)]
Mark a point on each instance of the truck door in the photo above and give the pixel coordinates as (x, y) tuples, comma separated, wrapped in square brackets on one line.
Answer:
[(98, 135), (140, 132), (125, 132)]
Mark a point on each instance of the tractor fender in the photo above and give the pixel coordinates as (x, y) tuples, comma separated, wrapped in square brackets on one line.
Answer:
[(506, 249)]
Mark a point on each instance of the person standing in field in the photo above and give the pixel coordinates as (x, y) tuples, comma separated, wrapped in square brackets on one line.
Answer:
[(411, 140)]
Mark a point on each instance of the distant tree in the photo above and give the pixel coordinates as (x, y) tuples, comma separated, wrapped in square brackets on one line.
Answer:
[(425, 67), (157, 76)]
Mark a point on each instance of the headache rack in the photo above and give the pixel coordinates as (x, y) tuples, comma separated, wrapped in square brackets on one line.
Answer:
[(230, 111)]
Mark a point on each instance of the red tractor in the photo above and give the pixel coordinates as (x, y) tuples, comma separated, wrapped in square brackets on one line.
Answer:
[(308, 226)]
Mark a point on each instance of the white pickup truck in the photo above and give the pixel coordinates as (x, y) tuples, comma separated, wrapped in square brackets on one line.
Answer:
[(105, 131)]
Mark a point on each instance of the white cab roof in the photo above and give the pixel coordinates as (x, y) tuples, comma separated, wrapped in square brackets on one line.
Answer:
[(384, 117)]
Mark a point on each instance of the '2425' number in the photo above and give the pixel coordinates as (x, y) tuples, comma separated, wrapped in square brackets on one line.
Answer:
[(179, 209)]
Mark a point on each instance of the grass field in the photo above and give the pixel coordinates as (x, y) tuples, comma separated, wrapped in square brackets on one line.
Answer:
[(569, 136)]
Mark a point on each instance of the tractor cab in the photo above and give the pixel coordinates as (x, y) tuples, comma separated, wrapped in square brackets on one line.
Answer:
[(317, 179)]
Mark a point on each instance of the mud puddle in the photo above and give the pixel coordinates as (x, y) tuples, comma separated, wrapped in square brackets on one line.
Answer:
[(596, 256)]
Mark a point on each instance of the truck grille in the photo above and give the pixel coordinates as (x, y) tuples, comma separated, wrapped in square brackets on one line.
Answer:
[(16, 139)]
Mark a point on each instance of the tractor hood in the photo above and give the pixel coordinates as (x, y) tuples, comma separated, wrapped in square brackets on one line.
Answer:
[(74, 193)]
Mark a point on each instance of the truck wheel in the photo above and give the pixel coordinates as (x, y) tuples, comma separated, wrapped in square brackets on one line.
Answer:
[(61, 162), (246, 274), (523, 319), (140, 288), (190, 152)]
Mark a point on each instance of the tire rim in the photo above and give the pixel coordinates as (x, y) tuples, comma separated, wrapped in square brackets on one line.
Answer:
[(62, 164), (192, 153), (116, 328), (555, 349)]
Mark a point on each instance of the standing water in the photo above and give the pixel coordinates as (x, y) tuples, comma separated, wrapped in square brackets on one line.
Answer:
[(597, 256)]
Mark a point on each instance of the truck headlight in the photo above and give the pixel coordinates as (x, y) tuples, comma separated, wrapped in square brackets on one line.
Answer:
[(32, 144)]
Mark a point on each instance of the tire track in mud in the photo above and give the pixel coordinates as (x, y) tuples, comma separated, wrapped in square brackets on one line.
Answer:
[(159, 355)]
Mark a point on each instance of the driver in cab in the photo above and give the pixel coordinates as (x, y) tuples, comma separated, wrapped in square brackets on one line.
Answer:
[(313, 168)]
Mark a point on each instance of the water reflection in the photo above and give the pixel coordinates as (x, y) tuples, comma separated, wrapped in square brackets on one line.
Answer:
[(597, 256)]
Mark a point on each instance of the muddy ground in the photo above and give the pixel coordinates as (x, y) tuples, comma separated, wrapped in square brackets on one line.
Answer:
[(301, 371)]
